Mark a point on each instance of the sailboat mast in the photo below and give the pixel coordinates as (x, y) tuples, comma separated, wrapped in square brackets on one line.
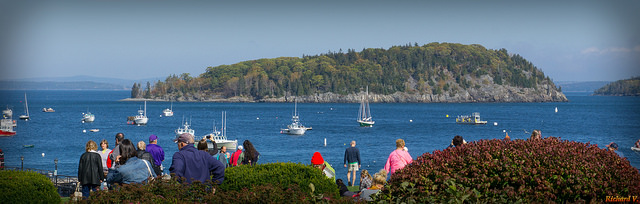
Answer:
[(145, 108), (26, 106), (368, 115)]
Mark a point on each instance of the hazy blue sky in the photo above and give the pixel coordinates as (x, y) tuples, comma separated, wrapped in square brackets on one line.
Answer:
[(568, 40)]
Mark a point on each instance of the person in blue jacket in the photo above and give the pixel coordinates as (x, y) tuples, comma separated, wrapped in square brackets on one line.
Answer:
[(194, 165)]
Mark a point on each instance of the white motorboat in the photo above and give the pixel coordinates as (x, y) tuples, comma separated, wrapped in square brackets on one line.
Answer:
[(364, 113), (48, 110), (7, 113), (220, 137), (141, 118), (88, 117), (185, 129), (295, 128), (169, 111), (26, 109)]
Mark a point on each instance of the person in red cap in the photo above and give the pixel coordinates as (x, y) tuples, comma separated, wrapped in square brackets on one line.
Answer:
[(323, 165)]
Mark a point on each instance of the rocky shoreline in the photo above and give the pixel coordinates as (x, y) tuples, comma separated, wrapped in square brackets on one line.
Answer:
[(487, 94)]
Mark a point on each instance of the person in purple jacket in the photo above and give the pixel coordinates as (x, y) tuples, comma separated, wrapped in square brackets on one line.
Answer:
[(156, 151), (191, 164)]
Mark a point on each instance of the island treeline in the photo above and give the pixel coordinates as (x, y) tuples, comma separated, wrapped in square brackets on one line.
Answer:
[(432, 69), (626, 87)]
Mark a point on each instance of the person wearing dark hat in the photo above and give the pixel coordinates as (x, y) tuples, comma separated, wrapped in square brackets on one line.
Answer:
[(323, 165), (156, 151), (191, 164), (614, 148)]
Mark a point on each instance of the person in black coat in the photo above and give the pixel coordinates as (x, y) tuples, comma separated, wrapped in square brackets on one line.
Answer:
[(143, 154), (90, 173)]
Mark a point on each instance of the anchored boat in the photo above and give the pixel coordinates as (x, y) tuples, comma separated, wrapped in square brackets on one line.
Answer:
[(220, 136), (473, 119), (364, 114), (295, 128)]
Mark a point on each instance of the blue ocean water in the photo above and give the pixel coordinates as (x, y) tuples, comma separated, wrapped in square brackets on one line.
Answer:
[(425, 127)]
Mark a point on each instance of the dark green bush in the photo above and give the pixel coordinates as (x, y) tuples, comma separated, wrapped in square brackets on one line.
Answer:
[(265, 183), (26, 187), (279, 175), (515, 171)]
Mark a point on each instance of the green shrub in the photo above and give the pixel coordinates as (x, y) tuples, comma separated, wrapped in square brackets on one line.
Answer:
[(264, 183), (547, 170), (26, 187), (279, 175)]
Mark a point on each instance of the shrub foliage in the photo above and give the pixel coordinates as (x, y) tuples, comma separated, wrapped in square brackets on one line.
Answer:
[(264, 183), (515, 171), (26, 186)]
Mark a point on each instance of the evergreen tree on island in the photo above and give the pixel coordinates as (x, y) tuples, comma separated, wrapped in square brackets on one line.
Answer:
[(435, 72)]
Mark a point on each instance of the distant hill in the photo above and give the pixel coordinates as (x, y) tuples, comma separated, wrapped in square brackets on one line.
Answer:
[(435, 72), (626, 87), (580, 86), (80, 82)]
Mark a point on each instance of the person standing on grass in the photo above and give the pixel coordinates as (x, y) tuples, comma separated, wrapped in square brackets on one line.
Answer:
[(90, 173), (352, 158)]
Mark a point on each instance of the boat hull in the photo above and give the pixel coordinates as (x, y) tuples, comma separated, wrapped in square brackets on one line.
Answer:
[(294, 131), (7, 133), (366, 123), (167, 113), (88, 119), (473, 123), (24, 117), (141, 121), (231, 145)]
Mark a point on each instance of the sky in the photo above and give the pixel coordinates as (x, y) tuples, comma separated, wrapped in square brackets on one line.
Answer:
[(135, 39)]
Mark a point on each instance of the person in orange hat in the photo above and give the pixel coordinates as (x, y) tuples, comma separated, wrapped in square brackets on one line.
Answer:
[(323, 165)]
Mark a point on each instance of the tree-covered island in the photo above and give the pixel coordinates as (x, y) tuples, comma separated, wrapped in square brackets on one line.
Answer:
[(435, 72), (626, 87)]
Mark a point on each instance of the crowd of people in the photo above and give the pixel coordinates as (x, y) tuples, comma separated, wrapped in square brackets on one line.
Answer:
[(203, 162), (124, 164)]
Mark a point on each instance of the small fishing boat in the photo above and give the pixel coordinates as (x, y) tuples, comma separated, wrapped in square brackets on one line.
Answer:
[(48, 110), (473, 119), (141, 118), (88, 117), (6, 127), (295, 128), (7, 113), (94, 130), (364, 113), (169, 111), (220, 136), (26, 109), (28, 146), (185, 129), (635, 149)]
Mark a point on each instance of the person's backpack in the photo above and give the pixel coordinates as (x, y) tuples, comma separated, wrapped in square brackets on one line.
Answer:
[(109, 162)]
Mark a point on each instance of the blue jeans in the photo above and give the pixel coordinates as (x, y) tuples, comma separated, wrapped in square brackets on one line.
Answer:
[(86, 188)]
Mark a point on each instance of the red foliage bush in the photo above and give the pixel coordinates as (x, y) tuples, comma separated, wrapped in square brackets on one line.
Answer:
[(520, 170)]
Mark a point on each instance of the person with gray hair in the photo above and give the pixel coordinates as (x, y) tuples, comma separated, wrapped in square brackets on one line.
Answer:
[(193, 165)]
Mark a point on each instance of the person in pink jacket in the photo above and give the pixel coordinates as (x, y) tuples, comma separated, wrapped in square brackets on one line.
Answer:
[(398, 158)]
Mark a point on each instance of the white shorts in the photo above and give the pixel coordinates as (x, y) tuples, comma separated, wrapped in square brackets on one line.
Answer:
[(353, 167)]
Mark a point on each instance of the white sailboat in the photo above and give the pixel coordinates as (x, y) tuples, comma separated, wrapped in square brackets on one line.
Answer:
[(220, 136), (26, 108), (364, 113), (295, 128), (141, 118), (168, 112)]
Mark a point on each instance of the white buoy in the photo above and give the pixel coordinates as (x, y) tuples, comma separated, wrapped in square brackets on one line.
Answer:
[(43, 154), (84, 131), (504, 130), (410, 120), (257, 118), (556, 109), (495, 123), (83, 121), (325, 141)]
